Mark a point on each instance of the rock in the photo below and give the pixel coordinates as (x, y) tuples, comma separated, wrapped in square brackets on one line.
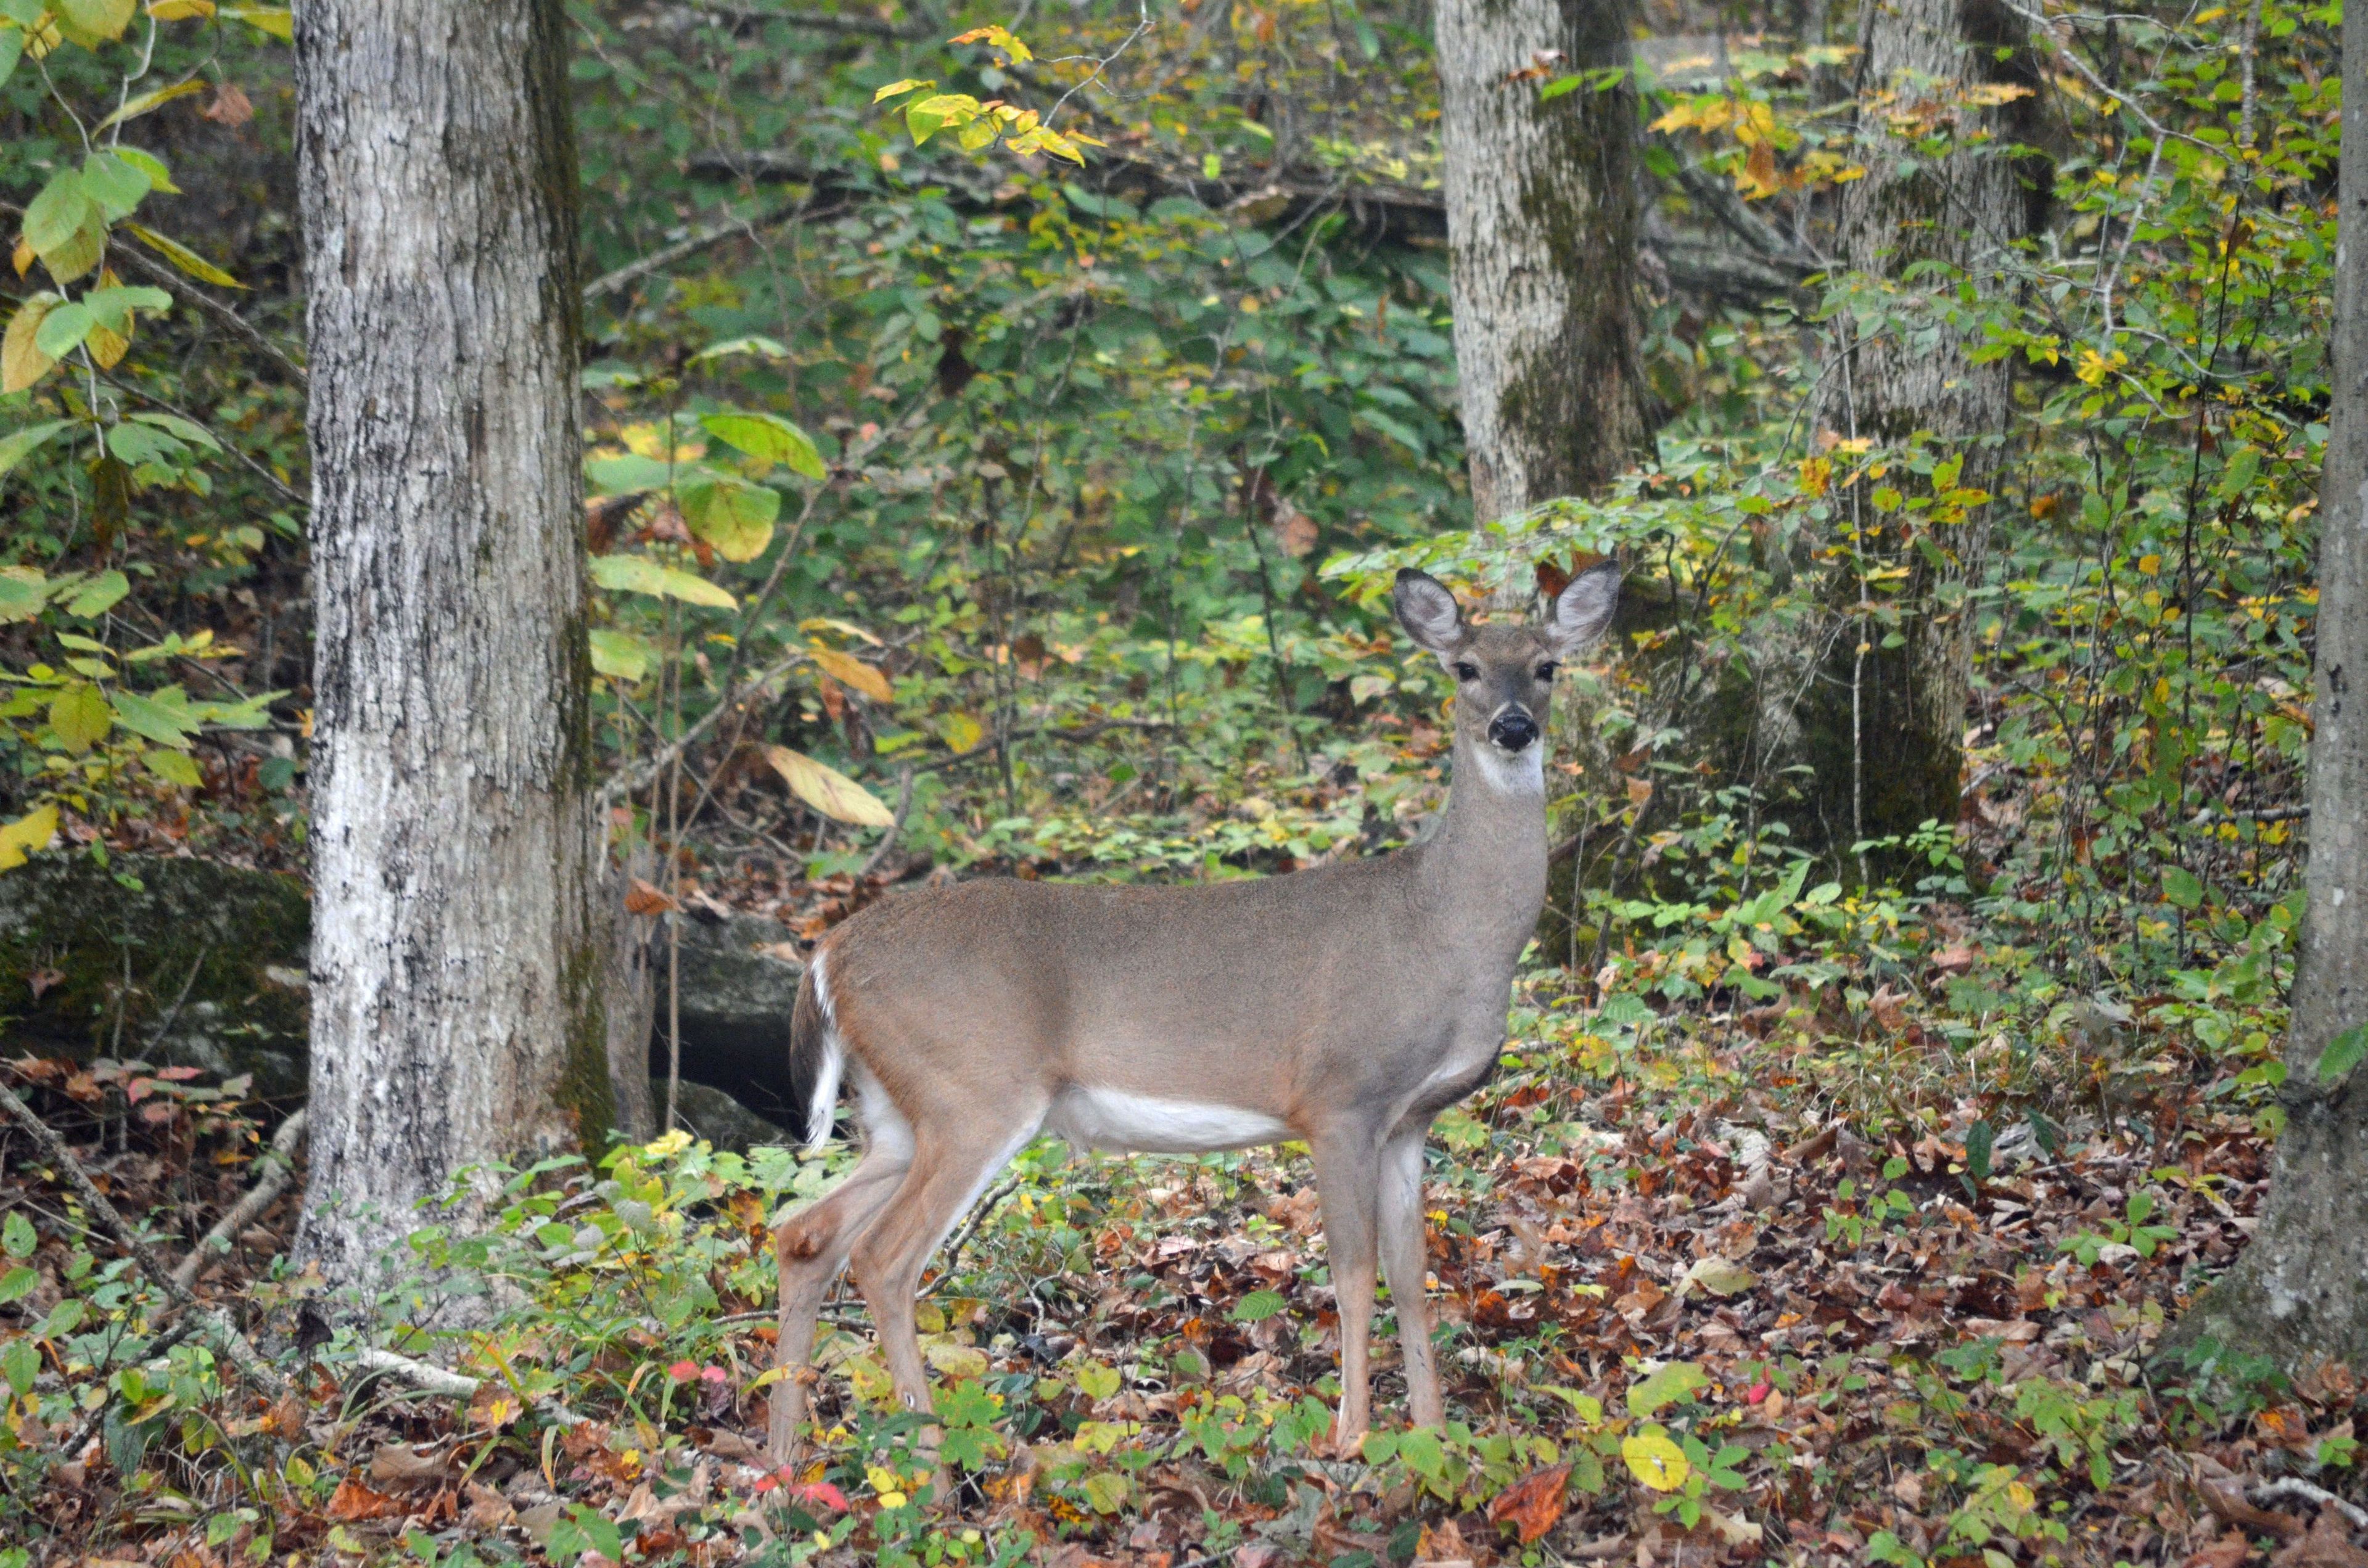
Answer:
[(711, 1114), (739, 981), (178, 962), (217, 959)]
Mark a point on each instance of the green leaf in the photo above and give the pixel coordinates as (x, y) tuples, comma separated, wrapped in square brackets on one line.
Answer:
[(1678, 1380), (640, 574), (182, 256), (1098, 1381), (754, 343), (12, 48), (115, 183), (80, 717), (112, 307), (13, 449), (622, 655), (1256, 1306), (768, 437), (64, 329), (173, 767), (1419, 1447), (909, 84), (163, 716), (1107, 1490), (98, 595), (17, 1284), (96, 18), (64, 226), (628, 472), (18, 1237), (137, 444), (187, 430), (2179, 886), (2343, 1053), (21, 1363), (730, 514)]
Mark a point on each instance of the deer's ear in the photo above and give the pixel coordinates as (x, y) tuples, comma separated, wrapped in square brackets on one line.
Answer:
[(1429, 612), (1584, 607)]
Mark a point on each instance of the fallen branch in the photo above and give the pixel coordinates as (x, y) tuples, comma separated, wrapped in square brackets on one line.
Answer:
[(432, 1379), (743, 18), (2294, 1489), (2210, 815), (698, 240), (279, 1168), (969, 1228), (237, 1347)]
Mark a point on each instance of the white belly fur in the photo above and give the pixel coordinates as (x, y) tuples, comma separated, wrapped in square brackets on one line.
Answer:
[(1122, 1122)]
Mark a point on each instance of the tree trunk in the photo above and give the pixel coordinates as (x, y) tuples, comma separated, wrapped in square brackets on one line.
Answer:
[(1883, 727), (2300, 1292), (1541, 220), (460, 958)]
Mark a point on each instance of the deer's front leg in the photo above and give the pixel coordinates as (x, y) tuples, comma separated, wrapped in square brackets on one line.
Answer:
[(1403, 1263), (1345, 1181)]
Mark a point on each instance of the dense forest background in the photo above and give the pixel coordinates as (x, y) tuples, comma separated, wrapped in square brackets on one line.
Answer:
[(1907, 1037)]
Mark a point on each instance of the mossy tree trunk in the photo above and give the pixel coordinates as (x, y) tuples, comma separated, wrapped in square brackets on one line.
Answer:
[(1883, 725), (1541, 217), (2300, 1291), (459, 958)]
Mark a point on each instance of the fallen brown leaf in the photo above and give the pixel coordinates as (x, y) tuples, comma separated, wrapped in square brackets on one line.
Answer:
[(2329, 1545), (399, 1464), (352, 1503), (2226, 1553), (1534, 1504)]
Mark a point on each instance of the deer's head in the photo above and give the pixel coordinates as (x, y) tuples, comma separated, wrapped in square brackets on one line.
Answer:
[(1504, 675)]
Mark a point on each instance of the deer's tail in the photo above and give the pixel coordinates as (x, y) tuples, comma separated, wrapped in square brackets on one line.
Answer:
[(817, 1054)]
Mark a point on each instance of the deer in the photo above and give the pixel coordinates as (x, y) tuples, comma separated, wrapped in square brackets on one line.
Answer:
[(1343, 1007)]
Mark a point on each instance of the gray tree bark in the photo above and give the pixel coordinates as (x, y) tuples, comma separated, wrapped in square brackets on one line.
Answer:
[(2300, 1291), (1541, 220), (460, 957), (1883, 728)]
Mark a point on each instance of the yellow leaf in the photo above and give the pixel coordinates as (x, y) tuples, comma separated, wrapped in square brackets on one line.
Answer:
[(277, 20), (827, 791), (1655, 1460), (108, 348), (962, 732), (135, 107), (909, 84), (30, 832), (182, 256), (23, 260), (848, 670), (22, 363), (180, 10)]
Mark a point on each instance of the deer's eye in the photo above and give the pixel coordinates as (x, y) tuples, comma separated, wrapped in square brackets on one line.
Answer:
[(1546, 670), (1466, 670)]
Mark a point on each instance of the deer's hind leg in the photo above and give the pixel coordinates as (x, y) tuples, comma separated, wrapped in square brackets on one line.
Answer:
[(812, 1246), (954, 1159)]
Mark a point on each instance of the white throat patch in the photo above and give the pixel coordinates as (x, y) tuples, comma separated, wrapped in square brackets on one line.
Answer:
[(1523, 773)]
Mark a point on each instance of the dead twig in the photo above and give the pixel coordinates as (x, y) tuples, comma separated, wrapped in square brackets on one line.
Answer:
[(278, 1163), (240, 1351), (456, 1385)]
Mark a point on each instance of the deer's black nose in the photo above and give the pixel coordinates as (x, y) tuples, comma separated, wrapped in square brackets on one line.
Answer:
[(1512, 729)]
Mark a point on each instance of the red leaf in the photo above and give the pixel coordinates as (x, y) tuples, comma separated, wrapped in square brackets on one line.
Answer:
[(1533, 1504), (353, 1501)]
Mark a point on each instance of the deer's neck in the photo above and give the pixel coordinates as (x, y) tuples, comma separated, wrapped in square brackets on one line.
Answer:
[(1487, 861)]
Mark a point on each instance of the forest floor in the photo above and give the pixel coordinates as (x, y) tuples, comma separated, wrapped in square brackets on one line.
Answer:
[(1698, 1303)]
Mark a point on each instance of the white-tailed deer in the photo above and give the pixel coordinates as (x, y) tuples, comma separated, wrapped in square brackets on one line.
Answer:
[(1344, 1007)]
